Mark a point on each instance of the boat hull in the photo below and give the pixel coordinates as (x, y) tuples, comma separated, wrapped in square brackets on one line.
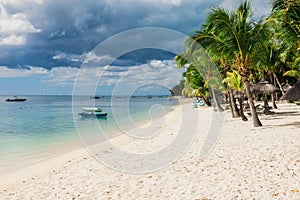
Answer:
[(98, 115), (15, 100), (95, 97)]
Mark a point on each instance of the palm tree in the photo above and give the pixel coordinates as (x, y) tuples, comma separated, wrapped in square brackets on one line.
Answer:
[(285, 15), (237, 36), (224, 62), (292, 61), (235, 82), (205, 68), (196, 84)]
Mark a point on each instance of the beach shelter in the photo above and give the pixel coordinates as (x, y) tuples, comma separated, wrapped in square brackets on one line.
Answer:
[(286, 87), (293, 93), (264, 87)]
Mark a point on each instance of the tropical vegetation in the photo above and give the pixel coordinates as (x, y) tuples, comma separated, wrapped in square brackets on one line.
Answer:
[(245, 50)]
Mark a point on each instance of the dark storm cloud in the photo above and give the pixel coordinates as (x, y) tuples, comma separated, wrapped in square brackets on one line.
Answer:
[(72, 28)]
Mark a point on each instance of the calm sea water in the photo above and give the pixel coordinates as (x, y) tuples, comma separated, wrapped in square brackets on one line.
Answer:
[(45, 126)]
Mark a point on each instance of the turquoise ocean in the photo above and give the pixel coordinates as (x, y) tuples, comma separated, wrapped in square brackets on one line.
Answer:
[(44, 127)]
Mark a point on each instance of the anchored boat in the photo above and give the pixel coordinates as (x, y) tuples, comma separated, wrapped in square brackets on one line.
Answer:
[(92, 109), (16, 99), (92, 112)]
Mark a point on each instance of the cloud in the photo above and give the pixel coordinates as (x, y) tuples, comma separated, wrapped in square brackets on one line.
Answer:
[(6, 72), (56, 33), (15, 23), (12, 40), (91, 57), (156, 72), (68, 57), (13, 28), (55, 76), (148, 76), (61, 76), (64, 28), (126, 80), (21, 2)]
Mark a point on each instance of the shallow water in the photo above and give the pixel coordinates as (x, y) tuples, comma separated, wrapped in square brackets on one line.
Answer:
[(45, 126)]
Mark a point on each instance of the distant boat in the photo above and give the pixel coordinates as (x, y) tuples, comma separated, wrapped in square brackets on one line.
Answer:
[(16, 99), (149, 96), (95, 97)]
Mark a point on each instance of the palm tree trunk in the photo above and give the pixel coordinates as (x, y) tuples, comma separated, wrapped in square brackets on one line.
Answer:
[(233, 106), (244, 118), (256, 121), (230, 105), (273, 101), (216, 101), (278, 83), (265, 99), (206, 101)]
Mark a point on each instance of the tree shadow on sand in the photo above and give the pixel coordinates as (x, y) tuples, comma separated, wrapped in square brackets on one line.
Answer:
[(279, 115), (282, 115), (295, 124)]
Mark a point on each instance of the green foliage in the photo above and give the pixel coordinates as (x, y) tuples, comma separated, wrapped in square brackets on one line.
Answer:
[(285, 14), (244, 47), (195, 84), (292, 73), (233, 35), (234, 80), (180, 61), (285, 20)]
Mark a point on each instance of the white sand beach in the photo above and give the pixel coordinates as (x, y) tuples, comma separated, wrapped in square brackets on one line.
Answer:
[(245, 163)]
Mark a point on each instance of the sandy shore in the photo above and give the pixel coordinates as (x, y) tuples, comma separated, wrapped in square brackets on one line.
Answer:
[(245, 163)]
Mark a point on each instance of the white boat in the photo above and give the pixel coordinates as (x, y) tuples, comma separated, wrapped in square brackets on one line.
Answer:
[(92, 112), (92, 109)]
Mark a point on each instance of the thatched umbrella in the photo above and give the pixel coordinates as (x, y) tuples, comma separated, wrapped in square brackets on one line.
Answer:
[(264, 87), (293, 93), (286, 87)]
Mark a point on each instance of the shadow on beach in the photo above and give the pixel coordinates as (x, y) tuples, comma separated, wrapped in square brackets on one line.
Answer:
[(295, 124), (279, 115)]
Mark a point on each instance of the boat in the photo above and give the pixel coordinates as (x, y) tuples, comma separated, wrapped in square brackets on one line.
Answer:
[(16, 99), (92, 109), (92, 112), (95, 97)]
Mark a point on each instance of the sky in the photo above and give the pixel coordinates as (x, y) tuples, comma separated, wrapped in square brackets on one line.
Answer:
[(45, 45)]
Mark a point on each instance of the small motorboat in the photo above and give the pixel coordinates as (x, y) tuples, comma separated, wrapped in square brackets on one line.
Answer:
[(95, 97), (92, 109), (16, 99), (92, 112)]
